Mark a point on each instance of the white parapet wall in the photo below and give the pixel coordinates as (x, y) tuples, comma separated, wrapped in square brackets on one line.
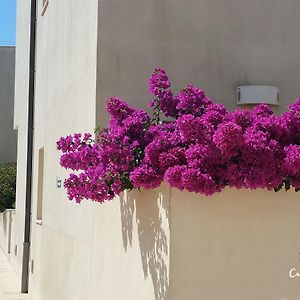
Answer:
[(167, 244), (158, 244), (5, 230), (238, 244)]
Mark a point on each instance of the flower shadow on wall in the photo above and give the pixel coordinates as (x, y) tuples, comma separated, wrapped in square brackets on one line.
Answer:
[(150, 211)]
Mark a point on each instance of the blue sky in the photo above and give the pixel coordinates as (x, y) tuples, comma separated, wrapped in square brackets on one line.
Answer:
[(8, 22)]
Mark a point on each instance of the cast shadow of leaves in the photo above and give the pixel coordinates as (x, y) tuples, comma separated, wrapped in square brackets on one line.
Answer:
[(149, 209)]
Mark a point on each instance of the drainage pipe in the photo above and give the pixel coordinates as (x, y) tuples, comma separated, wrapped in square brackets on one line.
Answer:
[(26, 243)]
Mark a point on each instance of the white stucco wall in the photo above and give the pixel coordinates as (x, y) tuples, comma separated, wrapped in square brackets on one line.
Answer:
[(65, 99), (216, 45), (152, 244), (234, 245), (8, 137), (5, 230), (20, 124)]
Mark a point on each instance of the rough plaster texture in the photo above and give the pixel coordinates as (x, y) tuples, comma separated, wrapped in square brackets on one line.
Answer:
[(153, 244), (8, 137)]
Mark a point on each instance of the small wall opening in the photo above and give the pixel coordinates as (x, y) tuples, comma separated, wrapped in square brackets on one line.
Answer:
[(39, 210)]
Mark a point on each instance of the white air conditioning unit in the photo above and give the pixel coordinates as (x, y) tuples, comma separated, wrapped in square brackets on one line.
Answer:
[(258, 94)]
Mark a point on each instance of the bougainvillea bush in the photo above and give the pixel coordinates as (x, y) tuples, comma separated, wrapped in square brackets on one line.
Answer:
[(8, 173), (190, 142)]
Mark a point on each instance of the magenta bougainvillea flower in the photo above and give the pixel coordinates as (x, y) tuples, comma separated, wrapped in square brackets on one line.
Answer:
[(197, 146)]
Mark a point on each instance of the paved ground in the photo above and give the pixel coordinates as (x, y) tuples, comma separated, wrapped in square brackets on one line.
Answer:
[(9, 282)]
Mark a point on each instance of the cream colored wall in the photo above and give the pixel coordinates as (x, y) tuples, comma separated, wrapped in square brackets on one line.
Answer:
[(152, 244), (18, 232), (8, 137), (234, 245), (65, 102), (20, 124), (131, 246), (217, 45), (5, 230)]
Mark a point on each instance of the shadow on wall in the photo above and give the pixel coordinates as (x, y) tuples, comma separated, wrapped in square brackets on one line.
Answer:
[(150, 211), (5, 230), (4, 221)]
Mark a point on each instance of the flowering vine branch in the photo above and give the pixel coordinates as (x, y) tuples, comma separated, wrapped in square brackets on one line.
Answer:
[(202, 148)]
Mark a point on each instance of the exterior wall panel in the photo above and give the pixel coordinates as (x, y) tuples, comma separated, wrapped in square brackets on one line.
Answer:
[(160, 244), (216, 45), (8, 137)]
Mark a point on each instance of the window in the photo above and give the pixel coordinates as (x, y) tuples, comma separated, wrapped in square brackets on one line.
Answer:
[(40, 192)]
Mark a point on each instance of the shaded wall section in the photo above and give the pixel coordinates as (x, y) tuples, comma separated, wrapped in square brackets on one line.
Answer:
[(214, 44), (8, 137), (5, 230), (131, 246), (20, 123)]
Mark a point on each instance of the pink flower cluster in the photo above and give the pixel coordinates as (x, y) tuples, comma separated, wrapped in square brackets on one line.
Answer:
[(202, 149), (102, 168)]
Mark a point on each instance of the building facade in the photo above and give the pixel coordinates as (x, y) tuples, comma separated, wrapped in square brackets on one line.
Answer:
[(160, 244), (8, 137)]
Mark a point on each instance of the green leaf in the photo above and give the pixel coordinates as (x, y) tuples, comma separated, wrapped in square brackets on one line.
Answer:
[(97, 129), (7, 185), (287, 185), (278, 188)]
